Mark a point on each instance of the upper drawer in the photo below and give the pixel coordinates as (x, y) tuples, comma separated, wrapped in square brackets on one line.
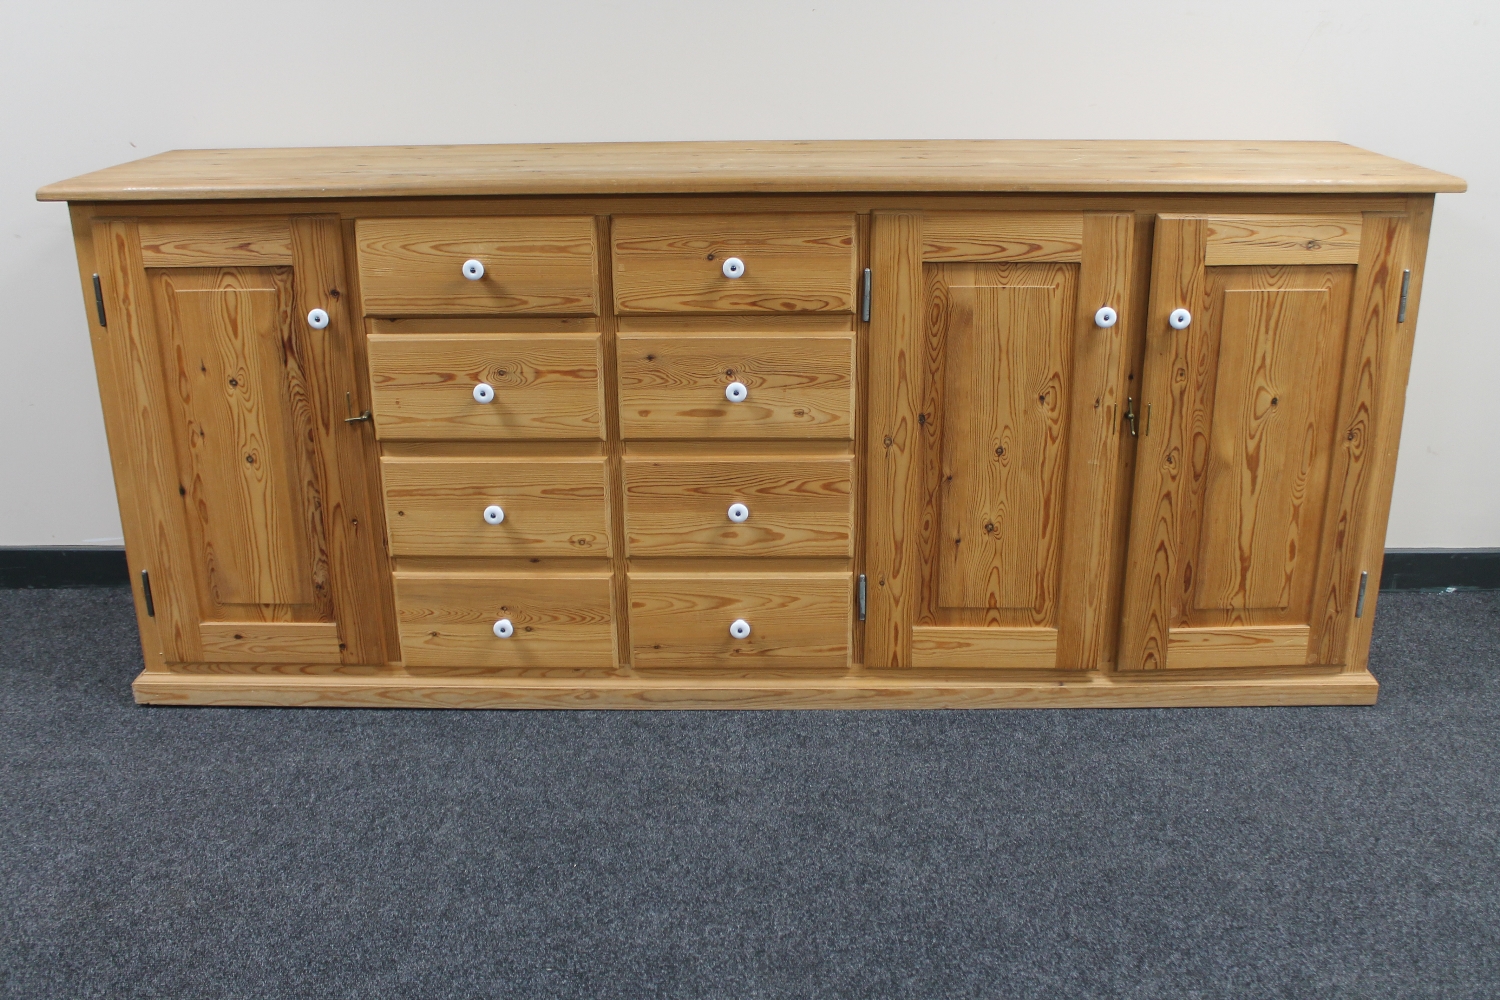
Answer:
[(761, 386), (434, 386), (536, 264), (790, 263)]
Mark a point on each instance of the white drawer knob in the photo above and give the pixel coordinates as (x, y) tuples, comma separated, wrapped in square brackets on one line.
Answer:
[(473, 269), (736, 392), (740, 629), (734, 267), (484, 393), (739, 513), (1105, 317), (1180, 319), (494, 514), (504, 629), (317, 319)]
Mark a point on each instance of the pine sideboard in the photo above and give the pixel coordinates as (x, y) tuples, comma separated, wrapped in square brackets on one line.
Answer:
[(782, 424)]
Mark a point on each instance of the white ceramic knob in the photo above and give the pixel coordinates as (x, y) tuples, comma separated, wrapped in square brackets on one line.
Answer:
[(740, 629), (1180, 319), (494, 514), (473, 269), (317, 319), (734, 267), (504, 629), (484, 393), (1105, 318), (736, 392), (739, 513)]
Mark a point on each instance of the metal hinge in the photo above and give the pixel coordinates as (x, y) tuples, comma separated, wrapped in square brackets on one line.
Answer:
[(1405, 287), (99, 301), (864, 309), (1359, 602), (859, 594), (146, 592)]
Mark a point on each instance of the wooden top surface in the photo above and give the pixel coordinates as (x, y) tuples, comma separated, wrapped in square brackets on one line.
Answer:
[(763, 167)]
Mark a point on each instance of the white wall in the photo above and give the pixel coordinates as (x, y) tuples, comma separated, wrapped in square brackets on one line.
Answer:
[(87, 85)]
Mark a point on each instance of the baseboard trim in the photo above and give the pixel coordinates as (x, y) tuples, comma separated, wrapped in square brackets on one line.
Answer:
[(62, 566)]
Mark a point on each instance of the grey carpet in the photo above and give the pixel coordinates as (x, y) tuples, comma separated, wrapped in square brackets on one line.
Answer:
[(1188, 853)]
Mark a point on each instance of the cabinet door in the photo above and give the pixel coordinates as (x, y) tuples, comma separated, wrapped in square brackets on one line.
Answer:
[(1259, 432), (264, 545), (996, 393)]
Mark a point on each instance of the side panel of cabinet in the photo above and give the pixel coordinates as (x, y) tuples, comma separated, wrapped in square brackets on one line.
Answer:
[(265, 545), (1252, 465)]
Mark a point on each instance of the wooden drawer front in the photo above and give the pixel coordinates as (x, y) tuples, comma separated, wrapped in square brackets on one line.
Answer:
[(796, 506), (545, 386), (415, 267), (796, 619), (560, 620), (554, 506), (792, 263), (798, 386)]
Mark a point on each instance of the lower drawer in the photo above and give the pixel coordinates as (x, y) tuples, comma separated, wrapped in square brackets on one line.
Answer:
[(794, 619), (556, 620)]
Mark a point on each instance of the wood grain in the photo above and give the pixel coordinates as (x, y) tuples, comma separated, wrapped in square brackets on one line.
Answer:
[(560, 620), (983, 647), (270, 642), (532, 264), (796, 619), (422, 386), (1279, 239), (798, 506), (553, 507), (793, 263), (215, 242), (1002, 236), (893, 471), (799, 386), (1112, 166), (1242, 646)]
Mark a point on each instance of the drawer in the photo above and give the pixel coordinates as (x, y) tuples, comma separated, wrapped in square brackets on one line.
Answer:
[(792, 506), (790, 263), (423, 386), (557, 620), (496, 506), (796, 619), (796, 386), (416, 267)]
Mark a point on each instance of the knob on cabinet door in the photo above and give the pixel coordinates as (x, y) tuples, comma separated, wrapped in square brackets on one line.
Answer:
[(739, 513), (484, 393), (473, 269), (734, 267), (736, 392), (504, 629), (317, 319), (494, 514), (1180, 319), (1105, 318), (740, 629)]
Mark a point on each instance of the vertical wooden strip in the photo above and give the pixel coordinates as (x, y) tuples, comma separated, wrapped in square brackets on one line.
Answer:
[(1153, 561), (614, 448), (357, 574), (147, 436), (1369, 428), (1092, 500), (895, 439)]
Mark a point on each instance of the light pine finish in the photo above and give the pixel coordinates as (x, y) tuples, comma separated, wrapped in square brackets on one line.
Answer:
[(673, 386), (792, 263), (796, 619), (967, 447), (553, 507), (414, 267), (962, 166), (546, 386), (679, 506)]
